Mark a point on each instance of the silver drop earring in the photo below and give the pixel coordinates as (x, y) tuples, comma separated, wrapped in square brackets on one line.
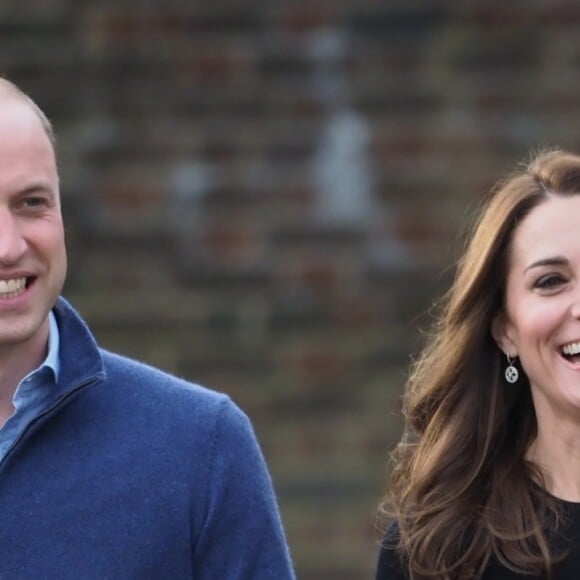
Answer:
[(511, 373)]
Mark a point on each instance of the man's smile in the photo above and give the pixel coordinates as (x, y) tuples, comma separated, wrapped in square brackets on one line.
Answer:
[(12, 288)]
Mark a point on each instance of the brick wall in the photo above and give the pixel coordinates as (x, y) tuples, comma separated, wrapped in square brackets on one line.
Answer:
[(264, 197)]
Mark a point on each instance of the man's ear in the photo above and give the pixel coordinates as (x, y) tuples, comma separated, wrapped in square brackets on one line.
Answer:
[(500, 333)]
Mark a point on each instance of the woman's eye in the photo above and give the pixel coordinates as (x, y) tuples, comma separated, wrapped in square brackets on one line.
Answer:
[(549, 281)]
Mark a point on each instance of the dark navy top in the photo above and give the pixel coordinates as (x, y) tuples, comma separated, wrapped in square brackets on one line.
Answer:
[(568, 538)]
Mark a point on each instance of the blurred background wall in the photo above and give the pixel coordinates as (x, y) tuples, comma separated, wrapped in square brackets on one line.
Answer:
[(264, 197)]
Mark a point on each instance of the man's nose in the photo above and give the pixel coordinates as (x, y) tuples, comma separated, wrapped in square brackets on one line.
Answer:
[(12, 242)]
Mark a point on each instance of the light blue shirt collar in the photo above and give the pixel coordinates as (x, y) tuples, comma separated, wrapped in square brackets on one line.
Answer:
[(52, 360), (33, 391)]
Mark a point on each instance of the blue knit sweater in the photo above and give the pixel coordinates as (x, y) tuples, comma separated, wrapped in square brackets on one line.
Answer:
[(130, 473)]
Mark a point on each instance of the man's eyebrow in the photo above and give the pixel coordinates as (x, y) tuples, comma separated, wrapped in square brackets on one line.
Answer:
[(39, 187), (552, 261)]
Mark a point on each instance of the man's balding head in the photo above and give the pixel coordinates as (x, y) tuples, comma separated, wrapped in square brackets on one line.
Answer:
[(8, 90)]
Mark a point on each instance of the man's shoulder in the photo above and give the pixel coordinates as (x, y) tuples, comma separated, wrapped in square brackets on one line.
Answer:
[(142, 385), (142, 397), (117, 365)]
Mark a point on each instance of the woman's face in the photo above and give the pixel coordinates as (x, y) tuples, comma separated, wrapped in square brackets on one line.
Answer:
[(541, 322)]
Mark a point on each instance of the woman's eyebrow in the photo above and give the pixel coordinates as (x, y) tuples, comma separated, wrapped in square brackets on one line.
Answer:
[(553, 261)]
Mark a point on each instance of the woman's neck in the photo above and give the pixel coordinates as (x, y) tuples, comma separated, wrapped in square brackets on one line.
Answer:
[(556, 451)]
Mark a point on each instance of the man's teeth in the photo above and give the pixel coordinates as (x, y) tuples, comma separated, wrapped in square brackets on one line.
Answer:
[(11, 288), (571, 349)]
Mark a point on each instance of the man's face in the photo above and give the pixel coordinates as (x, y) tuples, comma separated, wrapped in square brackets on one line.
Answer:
[(32, 246)]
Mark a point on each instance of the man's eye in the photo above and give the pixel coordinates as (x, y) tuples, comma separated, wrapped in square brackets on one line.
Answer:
[(34, 202), (549, 281)]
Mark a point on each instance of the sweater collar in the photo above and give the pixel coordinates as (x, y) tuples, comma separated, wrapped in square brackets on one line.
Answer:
[(80, 358)]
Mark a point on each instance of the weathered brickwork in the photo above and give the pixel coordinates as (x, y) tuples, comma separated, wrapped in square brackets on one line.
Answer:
[(264, 197)]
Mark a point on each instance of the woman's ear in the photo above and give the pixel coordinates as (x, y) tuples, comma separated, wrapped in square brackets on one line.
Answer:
[(500, 333)]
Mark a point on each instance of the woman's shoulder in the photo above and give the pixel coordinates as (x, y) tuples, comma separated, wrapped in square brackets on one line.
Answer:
[(390, 566)]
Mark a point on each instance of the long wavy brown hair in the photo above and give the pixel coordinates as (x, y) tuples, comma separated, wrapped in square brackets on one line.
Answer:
[(461, 489)]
